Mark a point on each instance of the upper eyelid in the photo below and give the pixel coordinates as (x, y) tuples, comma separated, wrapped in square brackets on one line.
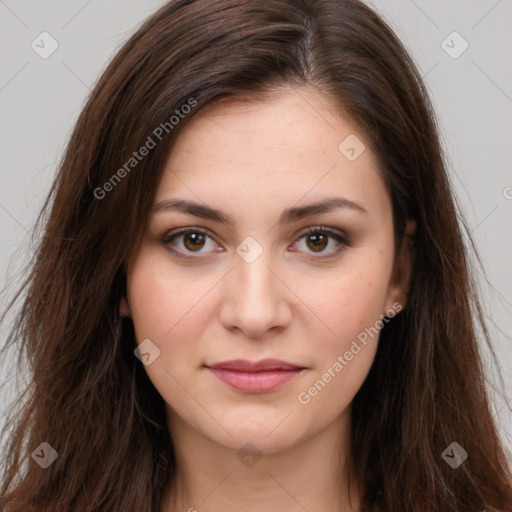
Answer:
[(181, 231), (174, 233)]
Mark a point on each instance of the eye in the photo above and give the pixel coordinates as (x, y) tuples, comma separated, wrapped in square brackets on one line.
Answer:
[(317, 239), (193, 240)]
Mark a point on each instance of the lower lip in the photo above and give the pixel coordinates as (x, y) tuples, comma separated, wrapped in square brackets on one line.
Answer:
[(255, 382)]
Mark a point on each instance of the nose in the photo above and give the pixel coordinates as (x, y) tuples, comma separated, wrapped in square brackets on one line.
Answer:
[(255, 297)]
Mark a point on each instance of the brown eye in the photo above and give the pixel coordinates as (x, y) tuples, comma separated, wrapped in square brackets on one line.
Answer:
[(193, 240), (184, 241), (317, 240), (187, 241)]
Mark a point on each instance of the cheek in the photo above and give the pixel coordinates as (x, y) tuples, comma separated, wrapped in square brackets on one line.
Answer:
[(163, 298), (168, 307), (351, 306), (343, 357), (350, 303)]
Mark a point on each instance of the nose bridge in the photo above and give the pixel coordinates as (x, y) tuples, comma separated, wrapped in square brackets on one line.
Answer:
[(254, 278), (254, 301)]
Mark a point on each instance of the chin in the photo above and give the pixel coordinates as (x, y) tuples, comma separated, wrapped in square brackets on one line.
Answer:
[(250, 440), (270, 434)]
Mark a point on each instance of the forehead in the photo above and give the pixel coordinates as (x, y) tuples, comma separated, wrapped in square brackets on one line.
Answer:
[(288, 122), (278, 149)]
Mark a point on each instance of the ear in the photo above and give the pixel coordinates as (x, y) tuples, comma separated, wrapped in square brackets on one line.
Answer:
[(124, 307), (399, 285)]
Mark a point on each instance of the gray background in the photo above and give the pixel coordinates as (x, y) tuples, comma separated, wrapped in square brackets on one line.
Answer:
[(40, 100)]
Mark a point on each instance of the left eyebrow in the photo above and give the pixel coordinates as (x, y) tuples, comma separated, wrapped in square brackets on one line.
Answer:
[(287, 216)]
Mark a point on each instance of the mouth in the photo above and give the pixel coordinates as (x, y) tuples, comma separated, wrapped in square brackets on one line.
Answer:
[(255, 377)]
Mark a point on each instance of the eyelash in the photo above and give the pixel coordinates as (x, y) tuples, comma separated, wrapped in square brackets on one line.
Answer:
[(343, 240)]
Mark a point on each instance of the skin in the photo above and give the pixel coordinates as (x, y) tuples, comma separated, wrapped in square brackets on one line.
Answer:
[(252, 160)]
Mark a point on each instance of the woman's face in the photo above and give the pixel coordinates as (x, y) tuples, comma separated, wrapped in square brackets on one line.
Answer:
[(258, 286)]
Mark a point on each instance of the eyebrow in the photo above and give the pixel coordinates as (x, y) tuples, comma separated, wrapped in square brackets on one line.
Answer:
[(289, 215)]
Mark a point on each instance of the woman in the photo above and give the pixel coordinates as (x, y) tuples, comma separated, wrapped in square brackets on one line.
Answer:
[(251, 290)]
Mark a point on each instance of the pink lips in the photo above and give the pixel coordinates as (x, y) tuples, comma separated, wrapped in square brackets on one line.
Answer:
[(255, 377)]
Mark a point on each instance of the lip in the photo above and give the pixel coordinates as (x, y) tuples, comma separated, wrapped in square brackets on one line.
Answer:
[(255, 376), (243, 365)]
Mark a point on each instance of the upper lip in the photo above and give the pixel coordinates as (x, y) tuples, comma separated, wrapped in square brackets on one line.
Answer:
[(242, 365)]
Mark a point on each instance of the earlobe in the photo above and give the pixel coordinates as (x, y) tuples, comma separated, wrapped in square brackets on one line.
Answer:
[(124, 308), (400, 281)]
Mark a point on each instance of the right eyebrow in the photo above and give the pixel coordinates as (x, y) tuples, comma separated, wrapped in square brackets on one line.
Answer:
[(287, 216)]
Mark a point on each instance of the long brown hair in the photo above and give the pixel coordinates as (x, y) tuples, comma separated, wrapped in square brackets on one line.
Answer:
[(89, 396)]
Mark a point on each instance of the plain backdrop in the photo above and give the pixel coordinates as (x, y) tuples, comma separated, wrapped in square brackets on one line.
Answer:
[(462, 47)]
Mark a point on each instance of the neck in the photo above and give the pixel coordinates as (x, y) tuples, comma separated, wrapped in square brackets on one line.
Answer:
[(211, 477)]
